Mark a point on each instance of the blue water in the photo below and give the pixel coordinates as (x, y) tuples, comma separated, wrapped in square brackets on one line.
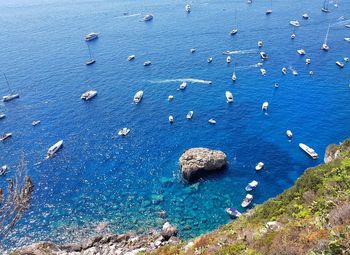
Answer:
[(126, 182)]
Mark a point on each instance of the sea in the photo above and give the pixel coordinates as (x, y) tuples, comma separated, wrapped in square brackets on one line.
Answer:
[(124, 183)]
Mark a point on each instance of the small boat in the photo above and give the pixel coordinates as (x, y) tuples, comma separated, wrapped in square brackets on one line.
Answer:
[(292, 36), (263, 71), (251, 186), (5, 136), (311, 73), (284, 70), (53, 149), (260, 44), (347, 26), (260, 64), (88, 95), (233, 212), (295, 73), (308, 61), (269, 10), (183, 85), (249, 1), (264, 106), (301, 52), (189, 115), (247, 200), (188, 8), (347, 39), (2, 116), (340, 64), (289, 134), (147, 63), (123, 132), (306, 16), (10, 96), (346, 59), (263, 55), (131, 57), (170, 98), (212, 121), (171, 119), (325, 6), (311, 152), (276, 85), (294, 23), (138, 97), (229, 97), (234, 30), (91, 36), (91, 60), (210, 60), (193, 50), (3, 170), (234, 77), (148, 17), (228, 59), (35, 122), (259, 166), (325, 46)]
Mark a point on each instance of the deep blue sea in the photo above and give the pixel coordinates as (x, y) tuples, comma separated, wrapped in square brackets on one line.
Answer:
[(125, 182)]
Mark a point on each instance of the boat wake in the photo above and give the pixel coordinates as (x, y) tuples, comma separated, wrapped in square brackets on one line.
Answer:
[(241, 52), (189, 80), (129, 15)]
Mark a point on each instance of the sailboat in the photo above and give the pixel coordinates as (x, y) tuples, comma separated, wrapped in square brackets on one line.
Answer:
[(269, 10), (234, 30), (10, 96), (325, 46), (234, 73), (325, 6), (293, 34), (91, 60)]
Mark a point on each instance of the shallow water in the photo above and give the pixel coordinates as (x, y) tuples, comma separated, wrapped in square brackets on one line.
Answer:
[(126, 182)]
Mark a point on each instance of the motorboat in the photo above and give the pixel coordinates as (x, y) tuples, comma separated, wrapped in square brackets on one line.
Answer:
[(340, 64), (260, 44), (210, 60), (301, 52), (276, 85), (247, 200), (233, 31), (10, 97), (212, 121), (5, 137), (131, 57), (259, 166), (263, 55), (35, 122), (138, 97), (294, 23), (251, 186), (325, 46), (263, 71), (306, 16), (292, 36), (148, 17), (123, 132), (347, 39), (188, 8), (295, 73), (193, 50), (227, 52), (234, 77), (53, 149), (91, 36), (249, 1), (264, 106), (88, 95), (229, 97), (2, 116), (189, 115), (347, 26), (228, 59), (147, 63), (170, 98), (233, 212), (311, 152), (183, 85), (346, 59), (3, 170), (171, 119), (284, 70), (311, 73), (308, 61), (289, 134)]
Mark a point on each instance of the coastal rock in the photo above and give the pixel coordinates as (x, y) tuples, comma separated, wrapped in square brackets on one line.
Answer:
[(196, 161), (332, 153), (168, 230)]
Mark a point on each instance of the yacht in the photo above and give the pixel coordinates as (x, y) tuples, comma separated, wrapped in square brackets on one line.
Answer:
[(2, 116), (311, 152), (193, 50), (3, 170), (301, 52), (325, 46), (5, 136), (325, 6), (91, 60), (306, 16), (183, 85), (147, 63), (189, 115), (234, 30), (11, 95), (210, 60), (35, 122), (284, 70), (347, 39), (264, 106), (289, 134), (308, 61), (263, 55), (91, 36), (259, 166), (340, 64), (294, 23), (229, 97), (131, 57), (138, 97), (212, 121), (233, 212), (188, 8), (228, 59), (171, 119), (53, 149), (88, 95), (148, 17), (249, 1), (170, 98), (247, 200), (263, 71), (260, 44), (123, 132), (251, 186)]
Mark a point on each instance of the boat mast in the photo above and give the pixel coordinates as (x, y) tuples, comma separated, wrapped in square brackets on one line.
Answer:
[(8, 84), (89, 51), (235, 19), (326, 38)]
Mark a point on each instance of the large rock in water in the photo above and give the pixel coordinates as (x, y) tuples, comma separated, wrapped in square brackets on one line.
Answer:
[(332, 153), (196, 161), (168, 230)]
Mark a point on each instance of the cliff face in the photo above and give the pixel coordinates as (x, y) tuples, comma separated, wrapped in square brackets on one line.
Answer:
[(312, 217)]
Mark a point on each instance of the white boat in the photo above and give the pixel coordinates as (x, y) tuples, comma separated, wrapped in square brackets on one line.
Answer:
[(308, 61), (91, 60), (234, 77), (35, 122), (5, 136), (233, 212), (292, 36), (289, 134), (325, 6), (210, 60), (295, 73), (311, 73), (212, 121), (294, 23), (263, 55), (347, 26), (188, 8), (301, 52), (284, 70), (229, 97), (311, 152), (123, 132), (189, 115), (131, 57), (147, 63), (53, 149), (247, 200), (183, 85), (138, 97), (346, 59), (325, 46), (260, 44), (148, 17), (276, 85), (170, 98), (10, 96), (251, 186), (347, 39), (249, 1), (306, 16), (91, 36), (234, 30), (3, 170), (259, 166), (340, 64), (228, 59), (264, 106), (171, 119), (263, 71), (193, 50), (2, 116), (88, 95)]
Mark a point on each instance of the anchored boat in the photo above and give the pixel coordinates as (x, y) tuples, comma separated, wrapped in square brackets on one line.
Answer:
[(309, 151), (53, 149)]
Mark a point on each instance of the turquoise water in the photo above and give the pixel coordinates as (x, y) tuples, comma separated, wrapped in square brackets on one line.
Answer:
[(126, 182)]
